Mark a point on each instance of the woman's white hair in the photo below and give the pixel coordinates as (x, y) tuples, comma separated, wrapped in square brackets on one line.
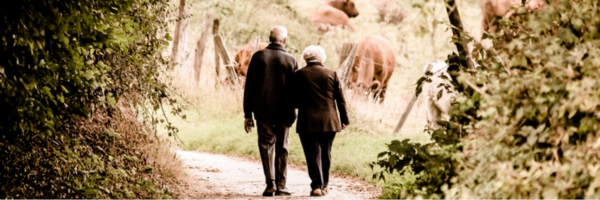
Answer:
[(314, 53)]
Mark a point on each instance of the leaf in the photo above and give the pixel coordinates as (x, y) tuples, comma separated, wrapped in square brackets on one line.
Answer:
[(519, 60), (393, 160)]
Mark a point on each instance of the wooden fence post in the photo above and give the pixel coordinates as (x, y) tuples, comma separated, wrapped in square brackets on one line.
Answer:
[(405, 114), (229, 64), (217, 55), (347, 56), (408, 108), (201, 46), (221, 50), (179, 47)]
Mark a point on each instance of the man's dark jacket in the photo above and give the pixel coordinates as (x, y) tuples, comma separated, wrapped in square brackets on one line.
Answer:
[(318, 90), (269, 86)]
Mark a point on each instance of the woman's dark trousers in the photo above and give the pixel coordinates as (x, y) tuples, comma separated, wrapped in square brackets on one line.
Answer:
[(317, 150)]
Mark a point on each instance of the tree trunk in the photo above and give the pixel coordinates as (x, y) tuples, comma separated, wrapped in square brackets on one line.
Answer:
[(201, 46), (181, 62), (457, 30), (179, 28)]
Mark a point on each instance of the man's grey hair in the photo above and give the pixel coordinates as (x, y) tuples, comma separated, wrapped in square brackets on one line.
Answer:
[(278, 34), (314, 53)]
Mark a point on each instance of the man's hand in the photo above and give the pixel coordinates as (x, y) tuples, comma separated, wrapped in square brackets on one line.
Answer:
[(344, 126), (248, 125)]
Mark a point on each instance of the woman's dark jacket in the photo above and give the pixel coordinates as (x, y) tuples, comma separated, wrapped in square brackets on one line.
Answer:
[(317, 92)]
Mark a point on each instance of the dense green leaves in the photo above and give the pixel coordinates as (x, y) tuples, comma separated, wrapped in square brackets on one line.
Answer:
[(61, 63), (60, 57), (526, 125)]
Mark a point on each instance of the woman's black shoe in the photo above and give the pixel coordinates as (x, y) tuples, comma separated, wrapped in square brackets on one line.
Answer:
[(270, 190)]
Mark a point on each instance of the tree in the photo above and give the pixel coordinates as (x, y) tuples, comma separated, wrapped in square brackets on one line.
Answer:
[(526, 124), (64, 64)]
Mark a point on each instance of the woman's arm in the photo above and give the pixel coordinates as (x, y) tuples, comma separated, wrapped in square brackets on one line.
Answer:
[(338, 95)]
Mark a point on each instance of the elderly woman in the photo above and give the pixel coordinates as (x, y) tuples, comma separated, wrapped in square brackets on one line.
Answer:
[(318, 91)]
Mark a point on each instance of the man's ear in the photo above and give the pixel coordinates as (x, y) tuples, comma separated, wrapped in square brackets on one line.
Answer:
[(284, 41)]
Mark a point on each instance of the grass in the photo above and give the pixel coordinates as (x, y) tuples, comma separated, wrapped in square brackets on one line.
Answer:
[(217, 126), (215, 120)]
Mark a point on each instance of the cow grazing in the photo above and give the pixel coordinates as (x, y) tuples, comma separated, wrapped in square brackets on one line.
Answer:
[(491, 9), (334, 13), (437, 108), (242, 58), (373, 66)]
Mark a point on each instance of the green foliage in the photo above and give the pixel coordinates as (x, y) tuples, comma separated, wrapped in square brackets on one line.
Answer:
[(432, 165), (526, 124), (59, 58), (63, 63)]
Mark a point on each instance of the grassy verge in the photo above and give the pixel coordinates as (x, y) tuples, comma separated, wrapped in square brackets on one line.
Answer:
[(216, 125)]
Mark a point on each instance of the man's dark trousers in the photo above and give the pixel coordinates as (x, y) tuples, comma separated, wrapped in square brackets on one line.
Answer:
[(317, 150), (273, 137)]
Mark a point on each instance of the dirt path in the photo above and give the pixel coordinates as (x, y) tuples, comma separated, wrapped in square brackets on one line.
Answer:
[(213, 176)]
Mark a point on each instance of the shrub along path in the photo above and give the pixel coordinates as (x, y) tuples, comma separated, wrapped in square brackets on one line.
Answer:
[(218, 176)]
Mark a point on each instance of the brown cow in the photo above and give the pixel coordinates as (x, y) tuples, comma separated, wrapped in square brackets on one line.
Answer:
[(491, 9), (242, 58), (334, 13), (373, 66)]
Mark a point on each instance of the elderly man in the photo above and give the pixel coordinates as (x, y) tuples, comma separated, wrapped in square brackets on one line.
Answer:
[(318, 90), (268, 94)]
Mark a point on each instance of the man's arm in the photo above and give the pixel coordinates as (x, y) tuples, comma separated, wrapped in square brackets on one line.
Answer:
[(296, 90), (249, 92), (295, 65), (292, 81), (338, 95)]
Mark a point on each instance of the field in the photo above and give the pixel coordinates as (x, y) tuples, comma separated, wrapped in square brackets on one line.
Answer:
[(214, 115)]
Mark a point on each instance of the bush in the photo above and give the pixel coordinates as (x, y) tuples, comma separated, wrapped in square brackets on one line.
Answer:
[(425, 170), (73, 78), (529, 114)]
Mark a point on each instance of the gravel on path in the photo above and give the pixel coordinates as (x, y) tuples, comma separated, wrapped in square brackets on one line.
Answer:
[(213, 176)]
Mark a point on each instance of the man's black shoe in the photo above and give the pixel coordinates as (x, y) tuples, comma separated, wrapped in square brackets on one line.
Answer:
[(270, 190), (283, 192), (316, 193)]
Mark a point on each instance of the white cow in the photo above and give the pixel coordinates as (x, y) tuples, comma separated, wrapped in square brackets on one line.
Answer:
[(438, 109)]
